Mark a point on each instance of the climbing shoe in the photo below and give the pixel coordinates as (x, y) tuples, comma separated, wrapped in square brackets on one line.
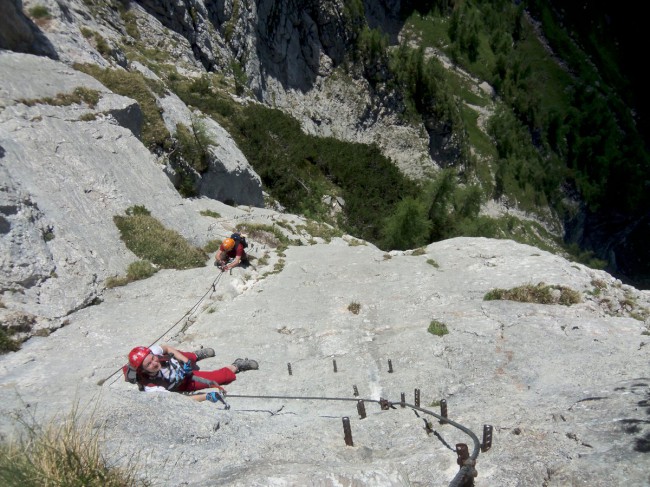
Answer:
[(204, 353), (243, 364)]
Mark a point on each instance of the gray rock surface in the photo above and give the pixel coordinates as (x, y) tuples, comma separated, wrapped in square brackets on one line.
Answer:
[(66, 178), (564, 387), (229, 177)]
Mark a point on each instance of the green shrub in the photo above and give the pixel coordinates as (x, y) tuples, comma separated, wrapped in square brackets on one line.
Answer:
[(7, 344), (147, 238), (192, 146), (102, 46), (40, 12), (354, 307), (130, 24), (140, 269), (137, 210), (355, 242), (211, 213), (437, 328), (407, 227)]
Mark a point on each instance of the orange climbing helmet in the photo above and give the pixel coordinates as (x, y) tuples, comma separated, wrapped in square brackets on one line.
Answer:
[(228, 244), (137, 356)]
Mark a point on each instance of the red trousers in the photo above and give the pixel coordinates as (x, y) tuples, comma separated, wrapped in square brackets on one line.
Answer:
[(220, 376)]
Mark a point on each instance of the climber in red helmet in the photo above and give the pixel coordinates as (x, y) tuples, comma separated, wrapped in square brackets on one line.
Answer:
[(163, 368)]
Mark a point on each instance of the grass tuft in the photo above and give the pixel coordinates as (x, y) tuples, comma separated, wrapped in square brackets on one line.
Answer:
[(437, 328), (354, 307), (40, 12), (66, 451), (7, 343), (141, 269), (211, 213), (539, 293), (147, 238)]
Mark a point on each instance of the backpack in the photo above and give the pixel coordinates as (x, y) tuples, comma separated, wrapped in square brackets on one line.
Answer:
[(239, 239), (131, 375)]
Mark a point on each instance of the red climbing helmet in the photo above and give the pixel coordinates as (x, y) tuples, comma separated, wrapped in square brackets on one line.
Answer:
[(137, 356)]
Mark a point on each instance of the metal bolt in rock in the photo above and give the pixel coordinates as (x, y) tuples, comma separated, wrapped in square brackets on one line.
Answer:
[(356, 391), (487, 437), (347, 431), (289, 367), (334, 362), (463, 453), (443, 409), (390, 366), (417, 397), (361, 409)]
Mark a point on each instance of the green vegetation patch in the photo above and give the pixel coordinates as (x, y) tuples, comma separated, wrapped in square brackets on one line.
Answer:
[(539, 293), (78, 96), (147, 238), (7, 343), (437, 328), (266, 234), (354, 307), (212, 246), (192, 145), (321, 230), (40, 12), (210, 213), (141, 269), (134, 85)]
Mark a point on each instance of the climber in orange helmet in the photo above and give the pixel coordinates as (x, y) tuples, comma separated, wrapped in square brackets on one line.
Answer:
[(231, 252)]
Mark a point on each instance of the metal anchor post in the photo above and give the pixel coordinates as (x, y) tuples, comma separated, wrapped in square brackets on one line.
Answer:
[(361, 409), (347, 431), (487, 437)]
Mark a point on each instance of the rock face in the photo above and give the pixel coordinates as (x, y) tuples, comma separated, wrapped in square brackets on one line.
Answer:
[(229, 176), (288, 50), (65, 178), (563, 387)]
